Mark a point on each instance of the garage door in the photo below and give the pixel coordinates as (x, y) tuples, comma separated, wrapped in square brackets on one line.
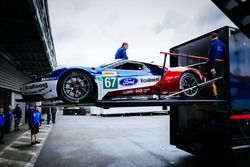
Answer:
[(10, 78)]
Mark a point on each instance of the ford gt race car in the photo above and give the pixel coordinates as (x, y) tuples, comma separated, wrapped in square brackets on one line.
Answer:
[(120, 79)]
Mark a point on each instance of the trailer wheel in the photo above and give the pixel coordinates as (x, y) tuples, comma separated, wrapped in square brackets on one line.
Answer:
[(189, 80)]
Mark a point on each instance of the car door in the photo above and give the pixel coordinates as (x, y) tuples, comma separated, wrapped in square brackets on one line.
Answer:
[(125, 75), (131, 69), (127, 78)]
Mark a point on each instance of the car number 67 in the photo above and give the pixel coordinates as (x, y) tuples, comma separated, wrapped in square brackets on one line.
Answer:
[(110, 82)]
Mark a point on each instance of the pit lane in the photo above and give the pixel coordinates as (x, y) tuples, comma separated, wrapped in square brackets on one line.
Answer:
[(137, 141)]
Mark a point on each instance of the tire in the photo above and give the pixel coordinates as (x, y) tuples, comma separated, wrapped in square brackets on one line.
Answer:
[(189, 80), (75, 87)]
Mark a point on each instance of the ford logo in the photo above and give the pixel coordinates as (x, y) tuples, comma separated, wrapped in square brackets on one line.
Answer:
[(128, 81)]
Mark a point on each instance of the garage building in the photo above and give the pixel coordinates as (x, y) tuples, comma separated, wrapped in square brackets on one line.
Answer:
[(26, 46)]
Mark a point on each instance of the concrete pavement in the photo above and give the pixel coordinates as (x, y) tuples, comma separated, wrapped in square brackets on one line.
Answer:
[(94, 141), (17, 150)]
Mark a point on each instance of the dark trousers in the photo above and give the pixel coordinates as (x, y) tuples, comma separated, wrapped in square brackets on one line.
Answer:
[(17, 121), (1, 133), (48, 118), (53, 118), (7, 126), (28, 121), (26, 117)]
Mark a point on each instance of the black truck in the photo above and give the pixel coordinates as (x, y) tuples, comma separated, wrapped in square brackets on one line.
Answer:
[(216, 129)]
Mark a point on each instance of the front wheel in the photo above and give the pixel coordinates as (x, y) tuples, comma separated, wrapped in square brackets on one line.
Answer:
[(189, 80), (75, 87)]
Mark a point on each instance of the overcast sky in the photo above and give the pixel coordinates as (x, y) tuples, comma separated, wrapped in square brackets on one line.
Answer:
[(88, 32)]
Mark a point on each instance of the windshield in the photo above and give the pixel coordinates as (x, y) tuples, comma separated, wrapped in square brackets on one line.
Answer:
[(109, 63)]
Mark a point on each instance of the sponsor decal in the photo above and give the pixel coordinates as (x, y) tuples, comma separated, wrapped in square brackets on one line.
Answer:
[(128, 81), (136, 91), (139, 91), (99, 78), (48, 79), (110, 82), (125, 92), (144, 80), (35, 86), (109, 73)]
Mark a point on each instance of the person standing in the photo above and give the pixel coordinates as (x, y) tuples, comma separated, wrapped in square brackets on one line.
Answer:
[(48, 112), (35, 123), (53, 113), (121, 52), (17, 116), (26, 113), (2, 123), (8, 118), (216, 50), (29, 111)]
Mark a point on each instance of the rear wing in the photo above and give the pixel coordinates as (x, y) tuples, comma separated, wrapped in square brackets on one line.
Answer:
[(188, 56)]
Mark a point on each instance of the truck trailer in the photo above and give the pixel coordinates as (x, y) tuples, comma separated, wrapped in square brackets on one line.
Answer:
[(222, 129)]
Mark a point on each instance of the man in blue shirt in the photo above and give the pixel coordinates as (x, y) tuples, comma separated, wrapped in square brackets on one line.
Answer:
[(2, 123), (35, 119), (216, 50), (8, 118), (121, 52), (29, 114)]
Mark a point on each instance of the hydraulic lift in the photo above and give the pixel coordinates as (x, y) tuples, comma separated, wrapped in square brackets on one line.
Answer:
[(140, 103)]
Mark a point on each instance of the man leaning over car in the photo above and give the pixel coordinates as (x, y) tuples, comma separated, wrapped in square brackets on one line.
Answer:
[(121, 52)]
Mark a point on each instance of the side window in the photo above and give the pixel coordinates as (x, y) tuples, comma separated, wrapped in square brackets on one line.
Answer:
[(156, 70), (130, 66)]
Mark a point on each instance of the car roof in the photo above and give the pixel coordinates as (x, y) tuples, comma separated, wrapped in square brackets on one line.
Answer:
[(121, 61)]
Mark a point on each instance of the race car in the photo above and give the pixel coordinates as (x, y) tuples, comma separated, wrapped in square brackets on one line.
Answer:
[(119, 79)]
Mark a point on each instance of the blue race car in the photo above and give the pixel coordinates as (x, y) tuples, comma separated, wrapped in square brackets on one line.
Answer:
[(120, 79)]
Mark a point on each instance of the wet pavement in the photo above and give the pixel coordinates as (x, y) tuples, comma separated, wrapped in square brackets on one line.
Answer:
[(95, 141), (18, 151)]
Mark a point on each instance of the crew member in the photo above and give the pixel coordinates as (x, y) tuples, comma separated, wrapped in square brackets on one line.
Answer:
[(121, 52), (17, 115), (8, 118), (29, 112), (2, 123), (26, 113), (48, 112), (53, 113), (216, 50), (34, 123)]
